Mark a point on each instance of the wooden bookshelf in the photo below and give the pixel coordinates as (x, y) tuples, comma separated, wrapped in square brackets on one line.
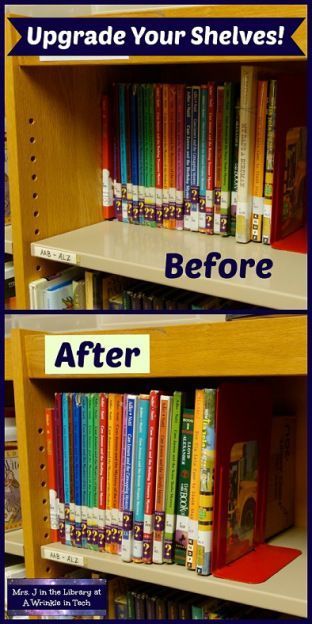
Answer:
[(14, 542), (54, 158), (274, 348), (8, 367)]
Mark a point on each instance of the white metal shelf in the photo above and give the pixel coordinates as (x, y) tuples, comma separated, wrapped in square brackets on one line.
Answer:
[(140, 252), (8, 246), (286, 591), (14, 542)]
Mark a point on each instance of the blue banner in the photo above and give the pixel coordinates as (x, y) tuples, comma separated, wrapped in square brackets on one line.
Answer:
[(57, 597), (257, 36)]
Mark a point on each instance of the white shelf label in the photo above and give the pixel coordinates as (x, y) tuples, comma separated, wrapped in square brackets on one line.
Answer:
[(55, 254), (71, 559)]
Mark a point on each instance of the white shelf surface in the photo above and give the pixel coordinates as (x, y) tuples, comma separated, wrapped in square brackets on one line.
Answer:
[(286, 591), (14, 542), (8, 247), (140, 252)]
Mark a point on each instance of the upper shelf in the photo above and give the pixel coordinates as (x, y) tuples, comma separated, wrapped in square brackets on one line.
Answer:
[(140, 252), (8, 246)]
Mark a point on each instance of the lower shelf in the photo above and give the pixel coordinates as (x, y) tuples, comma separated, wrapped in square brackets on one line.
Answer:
[(14, 542), (285, 591)]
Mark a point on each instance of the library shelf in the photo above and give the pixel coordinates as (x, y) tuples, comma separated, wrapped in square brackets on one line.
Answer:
[(14, 542), (8, 246), (285, 591), (140, 252)]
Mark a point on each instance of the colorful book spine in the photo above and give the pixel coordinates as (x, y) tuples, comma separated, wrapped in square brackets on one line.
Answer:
[(206, 495), (172, 155), (134, 154), (122, 471), (218, 161), (66, 466), (161, 477), (149, 131), (95, 485), (152, 157), (151, 463), (183, 486), (141, 139), (195, 159), (77, 468), (115, 473), (159, 154), (171, 485), (128, 151), (269, 164), (227, 157), (123, 151), (59, 465), (247, 124), (258, 181), (166, 155), (107, 183), (187, 159), (72, 507), (49, 417), (116, 149), (180, 157), (91, 470), (112, 398), (235, 169), (191, 551), (140, 476), (211, 137), (130, 402), (203, 158), (102, 469), (84, 468)]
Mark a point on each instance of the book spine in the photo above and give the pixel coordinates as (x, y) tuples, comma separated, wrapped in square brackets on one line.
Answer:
[(247, 123), (49, 417), (66, 467), (109, 473), (117, 433), (91, 472), (84, 469), (218, 161), (77, 467), (141, 140), (166, 143), (140, 477), (195, 158), (123, 151), (128, 151), (116, 148), (180, 156), (258, 181), (161, 474), (72, 510), (235, 168), (107, 182), (122, 472), (191, 551), (183, 487), (152, 160), (227, 158), (211, 137), (151, 463), (134, 154), (187, 160), (102, 469), (159, 154), (59, 465), (147, 154), (203, 158), (172, 154), (269, 164), (171, 485), (206, 496), (127, 519), (96, 434)]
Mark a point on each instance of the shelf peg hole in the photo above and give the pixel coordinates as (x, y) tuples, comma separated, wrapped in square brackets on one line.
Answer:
[(43, 484), (42, 466), (44, 501), (31, 121), (40, 430), (37, 232), (48, 569), (35, 195), (46, 535), (33, 158), (38, 267), (32, 139), (45, 518), (41, 449), (34, 177), (36, 213)]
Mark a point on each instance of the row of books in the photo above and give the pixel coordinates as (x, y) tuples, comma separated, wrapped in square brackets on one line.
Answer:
[(136, 475), (75, 289), (226, 158)]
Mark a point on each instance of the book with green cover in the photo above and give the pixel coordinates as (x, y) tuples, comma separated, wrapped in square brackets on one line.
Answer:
[(227, 156), (171, 483), (183, 486)]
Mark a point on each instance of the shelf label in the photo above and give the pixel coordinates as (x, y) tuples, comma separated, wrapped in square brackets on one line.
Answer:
[(55, 254), (61, 557), (97, 354)]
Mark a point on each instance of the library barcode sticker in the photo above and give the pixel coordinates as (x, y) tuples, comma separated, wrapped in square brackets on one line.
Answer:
[(56, 597), (58, 255)]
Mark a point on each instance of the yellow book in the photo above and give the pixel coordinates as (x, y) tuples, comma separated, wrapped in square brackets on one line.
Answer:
[(191, 551), (258, 183)]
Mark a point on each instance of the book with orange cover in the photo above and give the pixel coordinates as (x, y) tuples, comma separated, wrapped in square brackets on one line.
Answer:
[(113, 471), (161, 477), (258, 179), (191, 550), (159, 154)]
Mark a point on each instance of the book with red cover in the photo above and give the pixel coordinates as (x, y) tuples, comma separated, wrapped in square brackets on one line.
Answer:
[(289, 205), (243, 425)]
